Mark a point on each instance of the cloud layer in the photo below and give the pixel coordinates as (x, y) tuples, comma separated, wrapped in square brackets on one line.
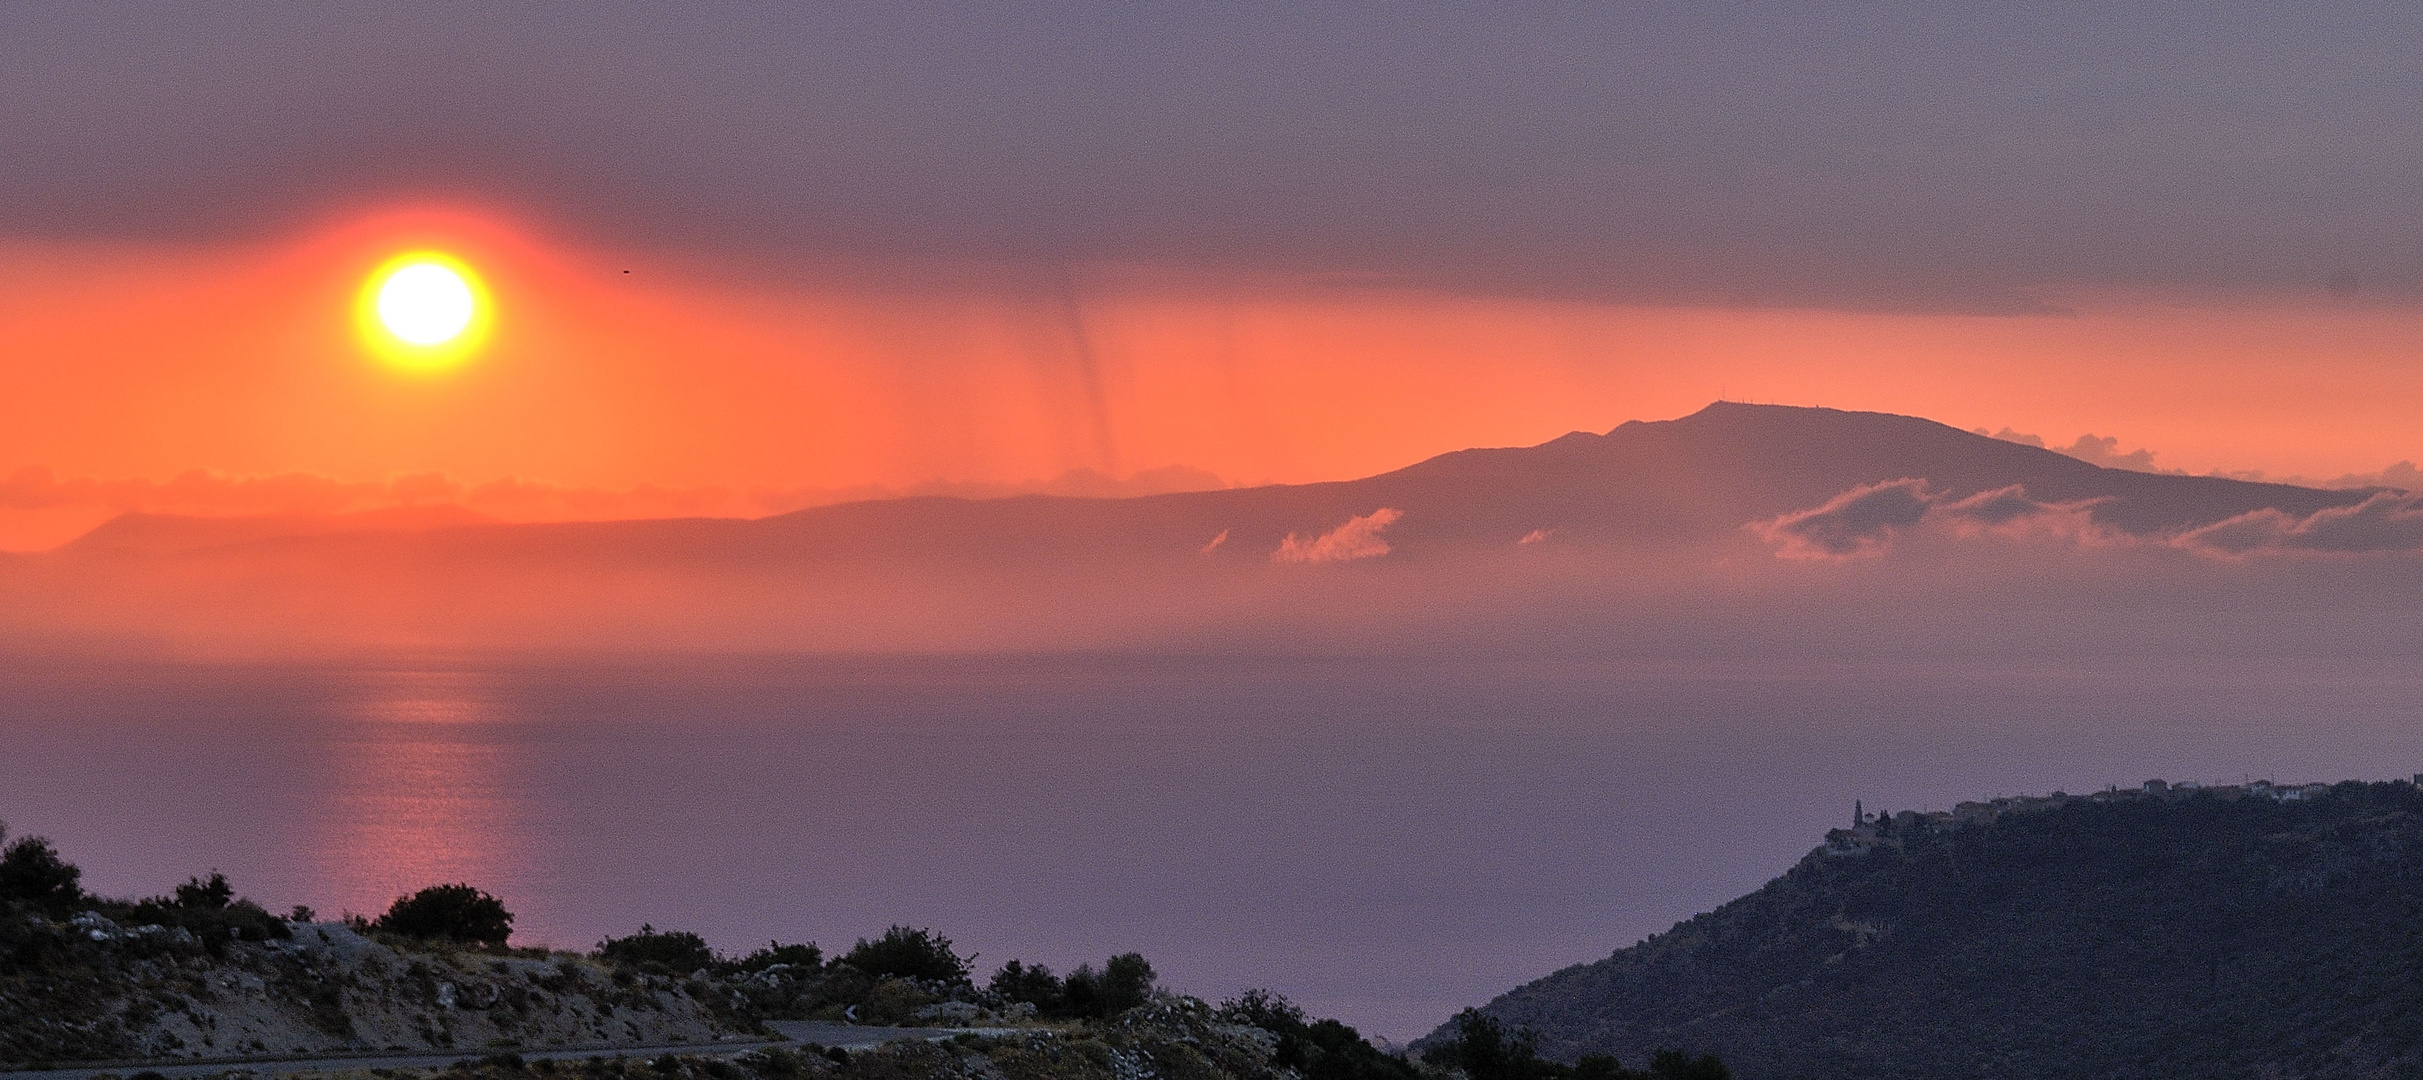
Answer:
[(2390, 521), (1359, 538), (2103, 450), (1865, 521)]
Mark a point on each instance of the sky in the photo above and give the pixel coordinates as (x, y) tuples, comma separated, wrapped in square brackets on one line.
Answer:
[(746, 258)]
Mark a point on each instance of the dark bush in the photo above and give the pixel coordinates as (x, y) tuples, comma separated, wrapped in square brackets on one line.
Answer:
[(1035, 985), (776, 1063), (910, 954), (1676, 1065), (1265, 1009), (449, 913), (199, 895), (1485, 1050), (211, 910), (1127, 981), (31, 872), (1599, 1067), (675, 952), (1318, 1049), (1122, 984), (807, 957), (1080, 993)]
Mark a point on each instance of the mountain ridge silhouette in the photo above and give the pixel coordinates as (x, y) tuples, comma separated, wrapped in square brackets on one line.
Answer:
[(1694, 479)]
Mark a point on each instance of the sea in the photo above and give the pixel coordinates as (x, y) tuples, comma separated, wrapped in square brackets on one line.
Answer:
[(1385, 839)]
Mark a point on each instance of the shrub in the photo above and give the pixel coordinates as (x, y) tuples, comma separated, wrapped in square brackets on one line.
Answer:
[(808, 957), (1265, 1009), (1485, 1050), (893, 1001), (1035, 985), (32, 872), (211, 911), (675, 952), (1676, 1065), (449, 913), (1127, 981), (910, 954), (199, 895), (777, 1063), (1320, 1049), (1122, 984)]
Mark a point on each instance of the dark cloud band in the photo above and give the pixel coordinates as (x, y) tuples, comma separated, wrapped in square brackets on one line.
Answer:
[(1949, 156)]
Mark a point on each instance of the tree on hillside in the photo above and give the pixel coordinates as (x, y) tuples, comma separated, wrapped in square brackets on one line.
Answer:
[(1123, 983), (1484, 1049), (199, 895), (31, 872), (910, 953), (449, 913), (1033, 984), (1317, 1049), (808, 957), (1127, 981), (674, 952)]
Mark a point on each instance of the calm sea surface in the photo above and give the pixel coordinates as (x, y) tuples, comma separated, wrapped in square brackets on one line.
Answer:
[(1384, 840)]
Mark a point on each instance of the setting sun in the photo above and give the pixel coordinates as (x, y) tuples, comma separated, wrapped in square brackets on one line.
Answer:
[(423, 310), (425, 304)]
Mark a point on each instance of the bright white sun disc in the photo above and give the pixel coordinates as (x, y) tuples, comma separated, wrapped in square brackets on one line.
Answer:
[(425, 304)]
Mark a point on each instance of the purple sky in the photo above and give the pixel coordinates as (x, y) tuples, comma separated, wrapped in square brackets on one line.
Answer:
[(1896, 156)]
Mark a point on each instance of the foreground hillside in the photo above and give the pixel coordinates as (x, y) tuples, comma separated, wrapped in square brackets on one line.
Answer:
[(2232, 932), (152, 994), (202, 979)]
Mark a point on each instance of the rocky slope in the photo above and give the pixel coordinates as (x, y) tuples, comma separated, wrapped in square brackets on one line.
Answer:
[(149, 992)]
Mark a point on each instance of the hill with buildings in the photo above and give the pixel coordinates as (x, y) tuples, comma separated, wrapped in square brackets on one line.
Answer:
[(2175, 931)]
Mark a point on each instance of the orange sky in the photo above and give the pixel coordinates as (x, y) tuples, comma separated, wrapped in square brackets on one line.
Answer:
[(127, 363)]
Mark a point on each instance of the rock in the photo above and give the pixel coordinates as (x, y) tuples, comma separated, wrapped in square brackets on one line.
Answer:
[(956, 1012)]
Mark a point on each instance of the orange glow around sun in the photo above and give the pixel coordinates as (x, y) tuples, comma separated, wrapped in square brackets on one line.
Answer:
[(424, 311), (426, 351)]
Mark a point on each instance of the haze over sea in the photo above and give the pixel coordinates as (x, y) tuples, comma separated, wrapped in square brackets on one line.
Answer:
[(1386, 839)]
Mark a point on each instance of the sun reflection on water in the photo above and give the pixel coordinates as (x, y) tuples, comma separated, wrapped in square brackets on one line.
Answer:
[(420, 783)]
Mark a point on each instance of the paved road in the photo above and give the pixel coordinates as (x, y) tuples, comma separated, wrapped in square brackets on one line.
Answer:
[(794, 1032), (854, 1036)]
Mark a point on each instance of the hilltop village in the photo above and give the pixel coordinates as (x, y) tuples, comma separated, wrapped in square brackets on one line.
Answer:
[(1868, 830)]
